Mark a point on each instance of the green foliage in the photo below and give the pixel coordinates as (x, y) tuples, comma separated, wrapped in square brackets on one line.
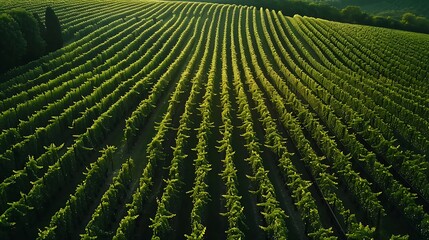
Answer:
[(414, 22), (354, 14), (22, 38), (12, 43), (54, 38), (30, 29)]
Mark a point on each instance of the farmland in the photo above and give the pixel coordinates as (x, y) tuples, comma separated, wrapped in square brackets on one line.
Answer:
[(173, 120)]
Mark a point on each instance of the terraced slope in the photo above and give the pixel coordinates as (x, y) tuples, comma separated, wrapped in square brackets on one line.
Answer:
[(172, 120)]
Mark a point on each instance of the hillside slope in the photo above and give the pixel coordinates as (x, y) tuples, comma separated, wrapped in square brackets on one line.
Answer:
[(168, 120)]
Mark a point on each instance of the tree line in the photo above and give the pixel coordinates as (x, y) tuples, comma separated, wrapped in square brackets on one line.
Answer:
[(25, 37), (351, 14)]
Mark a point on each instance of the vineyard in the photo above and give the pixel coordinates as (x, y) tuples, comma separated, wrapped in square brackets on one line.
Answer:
[(180, 120)]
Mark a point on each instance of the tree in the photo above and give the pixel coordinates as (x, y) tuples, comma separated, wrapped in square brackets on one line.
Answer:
[(409, 19), (12, 42), (354, 14), (30, 30), (54, 38), (416, 23)]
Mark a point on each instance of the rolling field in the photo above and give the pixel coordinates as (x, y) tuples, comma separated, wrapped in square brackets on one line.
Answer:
[(179, 120)]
